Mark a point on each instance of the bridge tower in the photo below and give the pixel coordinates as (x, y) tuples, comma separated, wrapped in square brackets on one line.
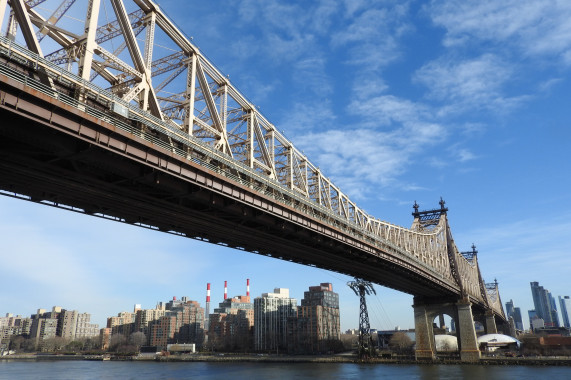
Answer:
[(459, 306), (362, 288)]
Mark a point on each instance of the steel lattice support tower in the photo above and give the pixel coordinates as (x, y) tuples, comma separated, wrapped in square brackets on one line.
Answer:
[(362, 288)]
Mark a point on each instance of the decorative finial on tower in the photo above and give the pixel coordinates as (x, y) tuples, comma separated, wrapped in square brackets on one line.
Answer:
[(415, 206), (474, 252), (442, 203)]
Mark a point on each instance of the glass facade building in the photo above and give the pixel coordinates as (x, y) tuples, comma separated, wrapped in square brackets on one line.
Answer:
[(565, 304)]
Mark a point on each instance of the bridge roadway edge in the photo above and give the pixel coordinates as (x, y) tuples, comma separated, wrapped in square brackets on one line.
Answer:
[(290, 236)]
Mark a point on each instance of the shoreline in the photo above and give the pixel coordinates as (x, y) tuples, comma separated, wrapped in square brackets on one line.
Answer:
[(229, 358)]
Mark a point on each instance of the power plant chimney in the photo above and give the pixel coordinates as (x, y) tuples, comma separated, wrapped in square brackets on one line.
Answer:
[(225, 289), (248, 287), (207, 310)]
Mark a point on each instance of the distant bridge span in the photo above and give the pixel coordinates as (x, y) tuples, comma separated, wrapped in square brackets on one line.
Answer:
[(203, 163)]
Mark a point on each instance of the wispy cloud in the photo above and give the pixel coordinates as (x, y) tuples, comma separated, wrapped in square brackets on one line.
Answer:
[(467, 84), (372, 36), (535, 28), (377, 155), (304, 116)]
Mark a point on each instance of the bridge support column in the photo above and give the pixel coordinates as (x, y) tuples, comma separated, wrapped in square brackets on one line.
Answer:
[(468, 343), (491, 327), (425, 348)]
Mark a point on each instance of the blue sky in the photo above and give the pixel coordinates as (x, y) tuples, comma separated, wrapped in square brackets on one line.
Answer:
[(396, 101)]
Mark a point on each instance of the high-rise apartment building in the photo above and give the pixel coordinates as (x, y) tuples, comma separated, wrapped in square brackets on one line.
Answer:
[(317, 326), (13, 325), (84, 328), (271, 313), (183, 322), (67, 324), (122, 324), (144, 317), (43, 328), (231, 324), (565, 304)]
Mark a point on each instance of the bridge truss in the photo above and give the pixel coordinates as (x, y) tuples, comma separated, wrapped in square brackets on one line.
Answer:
[(129, 65)]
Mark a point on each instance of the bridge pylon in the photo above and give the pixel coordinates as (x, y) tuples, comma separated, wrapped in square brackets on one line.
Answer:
[(366, 347), (426, 310)]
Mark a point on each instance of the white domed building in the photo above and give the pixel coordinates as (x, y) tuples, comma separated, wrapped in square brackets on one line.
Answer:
[(491, 342)]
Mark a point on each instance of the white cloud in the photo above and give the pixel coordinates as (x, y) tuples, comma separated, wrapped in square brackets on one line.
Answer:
[(368, 85), (535, 28), (310, 76), (322, 17), (386, 109), (477, 81), (362, 158), (306, 116), (465, 155), (371, 37)]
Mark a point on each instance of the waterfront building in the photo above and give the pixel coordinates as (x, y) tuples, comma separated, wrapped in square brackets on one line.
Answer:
[(232, 324), (317, 328), (565, 304), (42, 329), (105, 338), (144, 317), (183, 322), (122, 324), (162, 331), (11, 325), (6, 334), (8, 320), (271, 313), (67, 324), (84, 328)]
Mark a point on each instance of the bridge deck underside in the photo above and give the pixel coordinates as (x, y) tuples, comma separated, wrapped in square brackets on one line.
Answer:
[(52, 153)]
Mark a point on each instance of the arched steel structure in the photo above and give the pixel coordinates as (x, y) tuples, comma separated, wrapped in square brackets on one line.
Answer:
[(133, 85)]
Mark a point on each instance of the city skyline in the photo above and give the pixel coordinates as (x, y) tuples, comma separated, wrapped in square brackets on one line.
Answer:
[(397, 102)]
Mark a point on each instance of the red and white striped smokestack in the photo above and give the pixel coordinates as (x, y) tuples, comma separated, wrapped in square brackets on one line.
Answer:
[(207, 310), (247, 287), (225, 289)]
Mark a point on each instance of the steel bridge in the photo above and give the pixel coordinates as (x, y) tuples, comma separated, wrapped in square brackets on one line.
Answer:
[(122, 117)]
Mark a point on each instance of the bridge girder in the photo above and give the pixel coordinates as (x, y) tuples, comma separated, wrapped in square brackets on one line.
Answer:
[(214, 124)]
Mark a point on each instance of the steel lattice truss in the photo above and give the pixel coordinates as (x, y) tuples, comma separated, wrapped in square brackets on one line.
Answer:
[(129, 57), (361, 289)]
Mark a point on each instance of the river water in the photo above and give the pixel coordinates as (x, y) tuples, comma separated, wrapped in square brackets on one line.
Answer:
[(78, 370)]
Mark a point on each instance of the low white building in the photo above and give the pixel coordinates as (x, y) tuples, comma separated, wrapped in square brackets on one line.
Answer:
[(491, 342)]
